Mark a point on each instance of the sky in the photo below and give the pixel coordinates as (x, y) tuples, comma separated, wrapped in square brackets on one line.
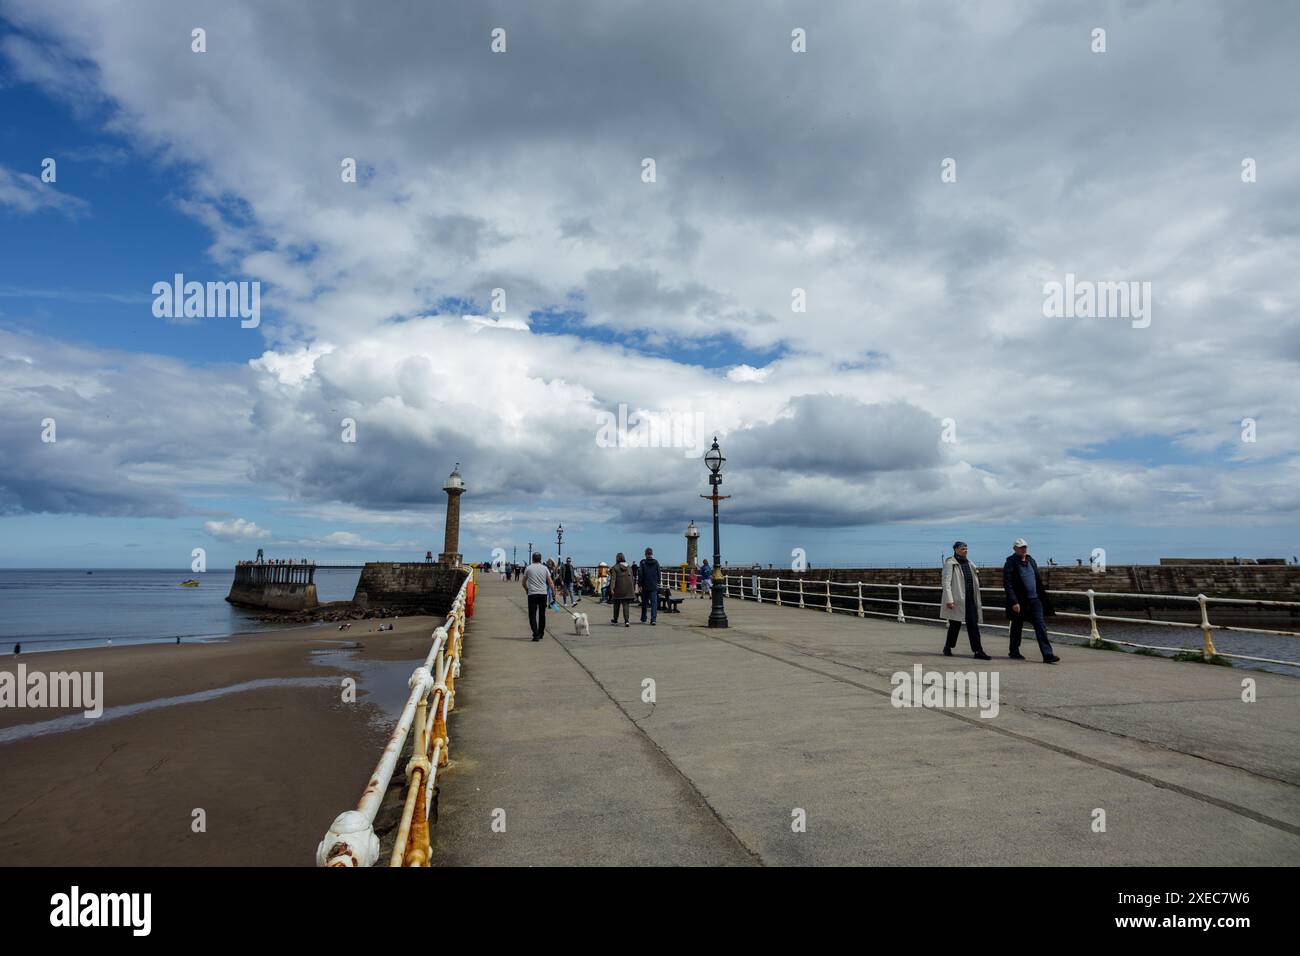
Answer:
[(823, 233)]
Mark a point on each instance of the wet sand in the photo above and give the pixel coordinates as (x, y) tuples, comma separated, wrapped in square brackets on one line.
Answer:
[(270, 766)]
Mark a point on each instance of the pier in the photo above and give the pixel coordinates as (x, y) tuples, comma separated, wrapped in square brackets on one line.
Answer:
[(777, 742), (275, 586)]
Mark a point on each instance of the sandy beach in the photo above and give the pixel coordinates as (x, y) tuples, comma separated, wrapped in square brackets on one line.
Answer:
[(270, 765)]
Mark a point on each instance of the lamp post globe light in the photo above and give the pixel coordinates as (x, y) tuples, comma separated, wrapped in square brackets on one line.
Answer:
[(714, 460)]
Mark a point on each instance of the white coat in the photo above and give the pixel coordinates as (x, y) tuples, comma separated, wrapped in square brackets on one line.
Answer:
[(954, 590)]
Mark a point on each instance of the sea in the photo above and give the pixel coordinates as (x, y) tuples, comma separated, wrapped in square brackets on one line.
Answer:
[(49, 610)]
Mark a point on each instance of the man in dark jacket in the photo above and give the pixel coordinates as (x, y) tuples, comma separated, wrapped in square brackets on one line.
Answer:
[(648, 582), (1026, 600), (566, 583)]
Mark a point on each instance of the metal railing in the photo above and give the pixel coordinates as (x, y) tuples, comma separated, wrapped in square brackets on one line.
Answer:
[(351, 840), (816, 593)]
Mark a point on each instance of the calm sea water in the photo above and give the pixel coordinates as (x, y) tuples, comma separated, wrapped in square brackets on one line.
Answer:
[(55, 610)]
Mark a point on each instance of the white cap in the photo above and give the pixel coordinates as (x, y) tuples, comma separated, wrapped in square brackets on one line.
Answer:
[(1020, 543)]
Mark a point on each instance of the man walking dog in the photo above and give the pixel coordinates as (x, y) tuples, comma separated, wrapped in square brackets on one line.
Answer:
[(1026, 600), (538, 585)]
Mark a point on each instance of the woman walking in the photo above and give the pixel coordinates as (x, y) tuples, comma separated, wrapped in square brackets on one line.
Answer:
[(961, 601), (622, 588), (602, 582)]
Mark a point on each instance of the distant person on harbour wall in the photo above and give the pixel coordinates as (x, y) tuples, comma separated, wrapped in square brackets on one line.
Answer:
[(648, 582), (1026, 600), (538, 586), (961, 602)]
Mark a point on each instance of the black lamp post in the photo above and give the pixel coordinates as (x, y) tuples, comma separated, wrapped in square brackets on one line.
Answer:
[(713, 458), (528, 558), (559, 541)]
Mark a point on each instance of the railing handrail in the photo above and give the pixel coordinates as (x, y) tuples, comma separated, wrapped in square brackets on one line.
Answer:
[(351, 839), (795, 590)]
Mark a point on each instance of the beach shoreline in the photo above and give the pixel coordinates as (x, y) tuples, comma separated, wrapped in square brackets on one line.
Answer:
[(265, 766)]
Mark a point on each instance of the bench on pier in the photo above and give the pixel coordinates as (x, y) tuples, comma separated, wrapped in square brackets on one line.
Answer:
[(669, 603)]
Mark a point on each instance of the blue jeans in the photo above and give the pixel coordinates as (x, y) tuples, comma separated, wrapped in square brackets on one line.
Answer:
[(1032, 610), (650, 599)]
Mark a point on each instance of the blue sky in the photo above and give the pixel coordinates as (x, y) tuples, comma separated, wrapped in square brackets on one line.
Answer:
[(673, 299)]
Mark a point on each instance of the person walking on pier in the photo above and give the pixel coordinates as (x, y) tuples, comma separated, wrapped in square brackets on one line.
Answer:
[(1026, 599), (648, 581), (961, 601), (621, 588), (706, 579), (566, 583), (554, 570), (538, 586)]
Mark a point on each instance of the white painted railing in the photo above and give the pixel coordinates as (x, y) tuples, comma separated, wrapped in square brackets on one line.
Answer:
[(841, 596), (351, 840)]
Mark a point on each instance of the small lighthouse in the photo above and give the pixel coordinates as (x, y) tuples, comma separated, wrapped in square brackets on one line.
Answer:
[(692, 543), (455, 487)]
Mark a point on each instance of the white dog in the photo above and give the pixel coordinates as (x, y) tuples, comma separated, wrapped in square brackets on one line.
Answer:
[(580, 625)]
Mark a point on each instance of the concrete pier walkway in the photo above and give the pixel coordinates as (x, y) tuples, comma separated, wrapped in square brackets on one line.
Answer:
[(788, 712)]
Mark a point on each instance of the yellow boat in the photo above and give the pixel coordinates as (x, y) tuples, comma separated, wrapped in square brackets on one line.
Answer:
[(191, 583)]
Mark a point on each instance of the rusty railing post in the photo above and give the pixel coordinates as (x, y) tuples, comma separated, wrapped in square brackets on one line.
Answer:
[(1207, 632)]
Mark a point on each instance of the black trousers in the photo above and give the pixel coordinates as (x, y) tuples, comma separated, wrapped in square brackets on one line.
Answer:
[(972, 632), (623, 603), (537, 613)]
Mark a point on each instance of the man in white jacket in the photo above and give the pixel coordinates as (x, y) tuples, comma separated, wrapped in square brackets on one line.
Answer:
[(961, 601)]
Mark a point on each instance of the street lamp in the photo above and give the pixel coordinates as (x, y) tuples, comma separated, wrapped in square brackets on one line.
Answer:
[(713, 458), (528, 558), (559, 541)]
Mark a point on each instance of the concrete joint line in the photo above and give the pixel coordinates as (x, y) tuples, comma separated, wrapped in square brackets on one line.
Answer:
[(1064, 751), (753, 855)]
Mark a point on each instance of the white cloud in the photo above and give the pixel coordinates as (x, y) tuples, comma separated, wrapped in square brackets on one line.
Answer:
[(747, 373), (820, 172), (235, 530), (27, 194)]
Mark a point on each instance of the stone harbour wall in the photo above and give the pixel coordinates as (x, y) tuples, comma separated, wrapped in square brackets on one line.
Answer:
[(410, 587)]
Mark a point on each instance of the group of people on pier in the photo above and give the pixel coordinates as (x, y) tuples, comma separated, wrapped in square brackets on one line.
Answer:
[(622, 582), (617, 584), (262, 559), (1026, 598)]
